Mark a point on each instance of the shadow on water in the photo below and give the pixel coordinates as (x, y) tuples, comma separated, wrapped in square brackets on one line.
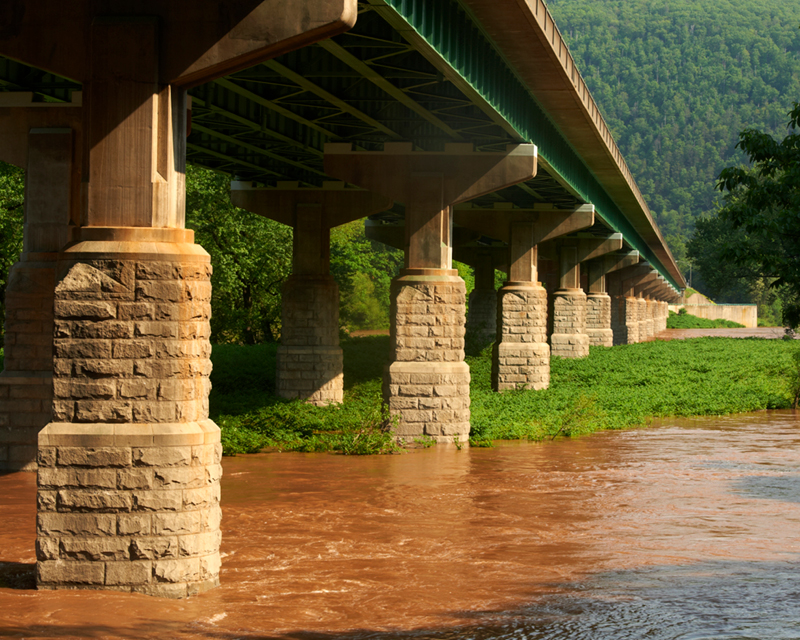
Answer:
[(784, 487), (711, 600), (17, 575)]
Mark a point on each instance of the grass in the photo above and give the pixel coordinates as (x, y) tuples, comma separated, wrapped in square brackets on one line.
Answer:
[(617, 388), (688, 321)]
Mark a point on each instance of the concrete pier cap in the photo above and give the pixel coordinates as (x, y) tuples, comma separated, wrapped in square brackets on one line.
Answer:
[(309, 359), (426, 384), (129, 466)]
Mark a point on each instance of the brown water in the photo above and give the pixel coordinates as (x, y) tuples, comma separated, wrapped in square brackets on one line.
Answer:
[(688, 530)]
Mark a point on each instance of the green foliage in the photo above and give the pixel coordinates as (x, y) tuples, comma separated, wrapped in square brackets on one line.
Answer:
[(251, 256), (676, 82), (763, 211), (685, 320), (611, 389), (12, 190), (364, 271)]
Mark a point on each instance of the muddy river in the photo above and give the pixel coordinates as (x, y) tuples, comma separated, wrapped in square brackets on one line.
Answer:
[(690, 530)]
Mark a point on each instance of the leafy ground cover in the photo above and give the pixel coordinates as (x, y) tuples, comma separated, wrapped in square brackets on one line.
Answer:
[(617, 388), (688, 321)]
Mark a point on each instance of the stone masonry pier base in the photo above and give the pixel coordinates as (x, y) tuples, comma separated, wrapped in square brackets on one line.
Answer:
[(521, 356), (129, 507), (26, 384), (309, 360), (128, 484), (482, 316), (427, 383), (569, 339), (598, 320)]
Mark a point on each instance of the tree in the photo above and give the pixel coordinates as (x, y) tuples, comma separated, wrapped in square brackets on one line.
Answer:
[(12, 188), (251, 256), (763, 201)]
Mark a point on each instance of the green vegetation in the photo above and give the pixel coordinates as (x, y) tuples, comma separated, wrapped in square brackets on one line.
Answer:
[(688, 321), (614, 388), (677, 81), (761, 211)]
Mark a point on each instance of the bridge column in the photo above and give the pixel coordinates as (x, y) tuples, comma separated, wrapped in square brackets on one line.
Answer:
[(309, 359), (482, 309), (521, 356), (427, 382), (569, 338), (598, 307), (26, 384), (128, 482)]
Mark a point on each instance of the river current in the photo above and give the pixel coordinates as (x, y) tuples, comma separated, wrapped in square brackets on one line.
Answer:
[(689, 529)]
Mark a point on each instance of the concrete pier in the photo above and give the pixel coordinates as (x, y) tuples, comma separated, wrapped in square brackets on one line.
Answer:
[(482, 308), (521, 357), (426, 384), (26, 384)]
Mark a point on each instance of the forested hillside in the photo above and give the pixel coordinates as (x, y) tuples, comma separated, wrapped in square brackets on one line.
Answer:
[(677, 80)]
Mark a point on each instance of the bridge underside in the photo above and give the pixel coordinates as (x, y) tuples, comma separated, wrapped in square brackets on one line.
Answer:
[(413, 116)]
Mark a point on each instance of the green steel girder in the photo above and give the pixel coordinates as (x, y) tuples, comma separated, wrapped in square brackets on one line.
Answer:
[(456, 41)]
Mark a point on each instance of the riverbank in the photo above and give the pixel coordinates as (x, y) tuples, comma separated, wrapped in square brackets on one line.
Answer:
[(617, 388)]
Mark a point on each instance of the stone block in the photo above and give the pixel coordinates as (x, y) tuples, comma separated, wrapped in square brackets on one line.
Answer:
[(125, 573), (75, 524), (79, 500), (62, 572), (177, 571), (137, 478), (136, 524), (201, 544), (95, 548), (154, 548), (94, 310), (157, 501), (162, 456), (48, 549), (77, 478), (94, 457), (183, 523)]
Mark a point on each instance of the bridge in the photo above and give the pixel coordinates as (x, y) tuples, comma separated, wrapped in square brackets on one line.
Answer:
[(458, 128)]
